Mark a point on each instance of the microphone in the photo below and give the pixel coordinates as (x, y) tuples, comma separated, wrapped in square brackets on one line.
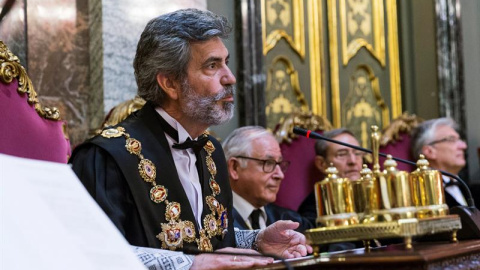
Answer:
[(469, 215), (195, 251)]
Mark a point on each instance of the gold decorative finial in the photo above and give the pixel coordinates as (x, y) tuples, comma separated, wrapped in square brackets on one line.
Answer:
[(332, 172), (422, 163), (390, 163), (375, 137), (366, 173)]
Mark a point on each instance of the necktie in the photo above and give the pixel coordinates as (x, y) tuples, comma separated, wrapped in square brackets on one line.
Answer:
[(195, 145), (255, 217), (189, 143)]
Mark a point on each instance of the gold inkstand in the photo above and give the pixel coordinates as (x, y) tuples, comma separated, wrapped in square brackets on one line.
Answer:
[(381, 204)]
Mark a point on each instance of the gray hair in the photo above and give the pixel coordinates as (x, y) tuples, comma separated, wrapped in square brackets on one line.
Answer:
[(424, 133), (164, 47), (239, 142), (321, 146)]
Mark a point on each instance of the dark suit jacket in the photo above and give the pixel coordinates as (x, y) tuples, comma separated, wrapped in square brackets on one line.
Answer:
[(275, 213), (110, 173), (308, 208), (450, 200)]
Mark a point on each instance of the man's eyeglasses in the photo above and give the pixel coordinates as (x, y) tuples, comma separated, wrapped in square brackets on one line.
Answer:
[(270, 164), (449, 139), (344, 154)]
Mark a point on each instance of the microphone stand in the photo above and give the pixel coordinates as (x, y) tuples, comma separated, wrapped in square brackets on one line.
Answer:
[(195, 251), (469, 215)]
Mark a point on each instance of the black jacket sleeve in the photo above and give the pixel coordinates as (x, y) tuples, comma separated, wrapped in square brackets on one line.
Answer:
[(103, 179)]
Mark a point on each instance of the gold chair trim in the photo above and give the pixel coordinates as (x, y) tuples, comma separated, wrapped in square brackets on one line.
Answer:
[(11, 68), (403, 124)]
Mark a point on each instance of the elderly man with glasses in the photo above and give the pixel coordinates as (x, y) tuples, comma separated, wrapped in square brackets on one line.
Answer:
[(440, 143), (256, 169), (348, 162)]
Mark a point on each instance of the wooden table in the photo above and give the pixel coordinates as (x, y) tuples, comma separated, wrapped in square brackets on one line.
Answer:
[(426, 255)]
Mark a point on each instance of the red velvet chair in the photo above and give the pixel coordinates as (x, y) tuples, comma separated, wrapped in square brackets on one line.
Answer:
[(396, 139), (27, 129), (300, 151)]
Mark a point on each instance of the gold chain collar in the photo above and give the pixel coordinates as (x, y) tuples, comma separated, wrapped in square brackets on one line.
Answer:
[(176, 231)]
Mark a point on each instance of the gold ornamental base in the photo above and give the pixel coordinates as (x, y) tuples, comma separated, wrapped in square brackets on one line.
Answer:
[(403, 228)]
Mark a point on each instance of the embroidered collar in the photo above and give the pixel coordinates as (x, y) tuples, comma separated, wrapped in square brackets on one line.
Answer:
[(177, 231)]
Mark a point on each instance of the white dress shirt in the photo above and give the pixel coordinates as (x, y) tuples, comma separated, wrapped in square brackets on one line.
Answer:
[(244, 208), (454, 191), (186, 169)]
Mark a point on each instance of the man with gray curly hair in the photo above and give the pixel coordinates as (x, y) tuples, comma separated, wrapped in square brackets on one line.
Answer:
[(440, 143), (256, 169), (158, 175)]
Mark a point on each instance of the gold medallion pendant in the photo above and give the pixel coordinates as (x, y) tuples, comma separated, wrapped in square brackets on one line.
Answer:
[(210, 225), (171, 235), (213, 204), (214, 186), (203, 242), (209, 148), (212, 168), (113, 132), (173, 211), (189, 230), (147, 170), (158, 193), (223, 223), (133, 146)]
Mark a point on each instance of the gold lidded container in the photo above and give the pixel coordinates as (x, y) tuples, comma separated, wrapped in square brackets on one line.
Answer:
[(334, 196), (396, 199), (391, 186), (359, 188), (427, 190), (397, 185), (366, 195)]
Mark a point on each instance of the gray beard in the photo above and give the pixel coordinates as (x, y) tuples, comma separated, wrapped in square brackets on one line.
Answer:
[(205, 109)]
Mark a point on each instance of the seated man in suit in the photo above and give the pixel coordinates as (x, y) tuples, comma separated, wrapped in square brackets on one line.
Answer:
[(438, 140), (253, 154), (347, 161)]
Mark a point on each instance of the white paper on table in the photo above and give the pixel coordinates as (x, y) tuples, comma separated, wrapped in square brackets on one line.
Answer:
[(48, 220)]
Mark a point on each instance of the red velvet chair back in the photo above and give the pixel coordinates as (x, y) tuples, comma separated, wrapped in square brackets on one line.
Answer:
[(396, 140), (300, 151), (27, 129)]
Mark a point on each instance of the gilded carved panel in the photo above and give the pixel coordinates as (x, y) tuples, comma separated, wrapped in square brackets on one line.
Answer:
[(283, 94), (364, 105), (292, 46), (364, 89), (359, 85), (362, 26), (283, 19)]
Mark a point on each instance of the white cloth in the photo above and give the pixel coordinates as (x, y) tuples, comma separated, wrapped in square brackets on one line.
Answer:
[(244, 208), (186, 169), (160, 259), (454, 191)]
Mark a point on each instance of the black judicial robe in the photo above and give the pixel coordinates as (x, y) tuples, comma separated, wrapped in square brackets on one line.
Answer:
[(275, 213), (110, 174)]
